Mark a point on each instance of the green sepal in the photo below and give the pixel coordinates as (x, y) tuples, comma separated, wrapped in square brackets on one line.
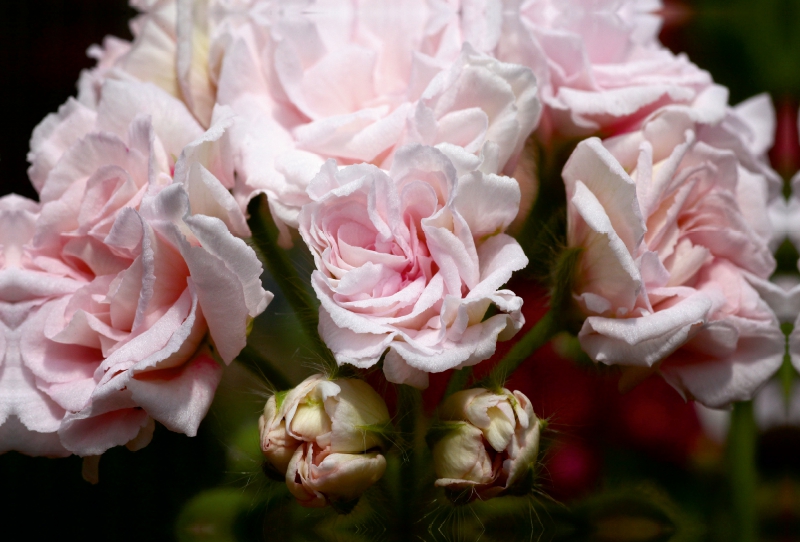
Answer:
[(386, 432), (280, 396), (439, 429)]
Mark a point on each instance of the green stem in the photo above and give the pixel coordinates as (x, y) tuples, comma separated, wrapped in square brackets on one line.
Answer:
[(255, 361), (545, 226), (787, 373), (458, 380), (265, 238), (538, 336), (409, 408), (742, 470)]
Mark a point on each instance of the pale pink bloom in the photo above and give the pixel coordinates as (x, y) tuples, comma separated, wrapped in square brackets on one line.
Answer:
[(790, 213), (29, 419), (600, 67), (141, 339), (354, 84), (671, 266), (490, 442), (409, 261), (170, 48), (69, 146), (136, 127), (747, 130), (137, 210)]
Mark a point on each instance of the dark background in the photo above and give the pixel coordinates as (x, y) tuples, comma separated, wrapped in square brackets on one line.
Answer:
[(42, 51)]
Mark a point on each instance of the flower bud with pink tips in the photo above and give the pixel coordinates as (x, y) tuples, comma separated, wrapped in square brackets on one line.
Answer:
[(487, 445), (327, 438)]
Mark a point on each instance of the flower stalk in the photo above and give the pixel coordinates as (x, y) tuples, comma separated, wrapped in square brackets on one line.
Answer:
[(410, 408), (539, 335), (255, 360), (742, 470), (265, 238)]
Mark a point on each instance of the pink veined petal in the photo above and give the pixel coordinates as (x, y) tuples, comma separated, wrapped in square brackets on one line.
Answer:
[(609, 270), (645, 340), (716, 383), (178, 397), (86, 435)]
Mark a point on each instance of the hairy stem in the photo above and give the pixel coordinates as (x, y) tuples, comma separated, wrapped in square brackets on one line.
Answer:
[(409, 408), (251, 358), (535, 338), (458, 380), (265, 238)]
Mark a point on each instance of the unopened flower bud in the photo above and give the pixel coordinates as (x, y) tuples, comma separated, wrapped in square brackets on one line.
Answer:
[(489, 442), (276, 444), (316, 477), (326, 436)]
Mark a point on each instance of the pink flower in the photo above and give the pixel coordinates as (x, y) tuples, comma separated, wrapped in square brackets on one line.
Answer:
[(671, 263), (69, 146), (600, 67), (140, 341), (137, 213), (305, 91), (28, 417), (170, 49), (408, 262)]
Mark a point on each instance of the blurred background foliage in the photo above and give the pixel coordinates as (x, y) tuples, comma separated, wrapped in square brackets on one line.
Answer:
[(637, 467)]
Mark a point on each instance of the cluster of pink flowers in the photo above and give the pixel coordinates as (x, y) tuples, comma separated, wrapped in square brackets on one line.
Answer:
[(388, 137)]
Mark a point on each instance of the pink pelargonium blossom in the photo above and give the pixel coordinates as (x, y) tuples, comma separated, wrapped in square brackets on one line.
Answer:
[(69, 146), (600, 67), (671, 264), (747, 130), (409, 261), (29, 419), (171, 49), (137, 212), (88, 165), (141, 341), (354, 84)]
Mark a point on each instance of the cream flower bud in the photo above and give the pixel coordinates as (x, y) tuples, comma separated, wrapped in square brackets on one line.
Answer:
[(276, 444), (317, 477), (325, 437), (489, 443)]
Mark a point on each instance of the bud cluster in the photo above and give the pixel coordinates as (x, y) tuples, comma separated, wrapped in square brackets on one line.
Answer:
[(326, 439)]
